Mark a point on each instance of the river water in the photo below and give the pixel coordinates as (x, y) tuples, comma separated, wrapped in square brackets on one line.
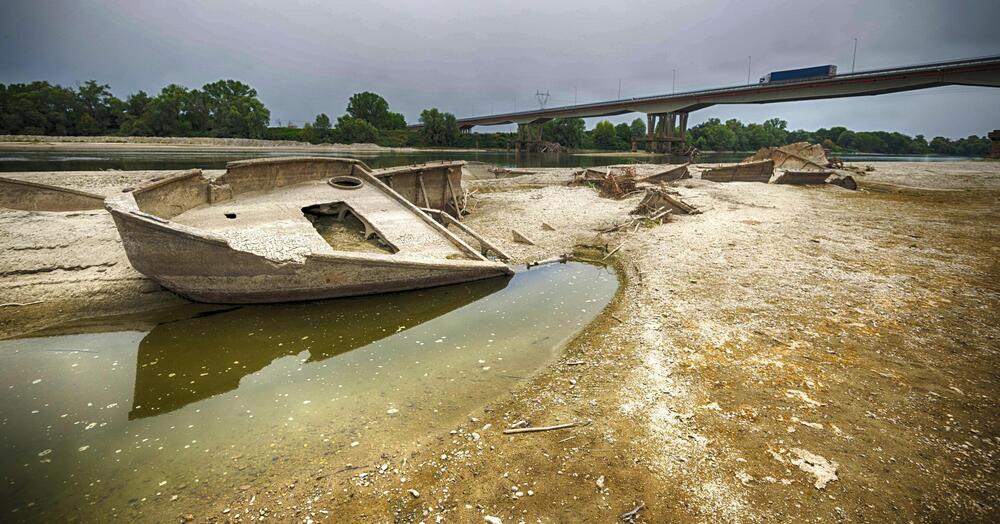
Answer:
[(91, 160), (139, 418)]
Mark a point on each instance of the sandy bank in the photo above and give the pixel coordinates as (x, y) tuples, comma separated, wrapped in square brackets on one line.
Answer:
[(193, 144)]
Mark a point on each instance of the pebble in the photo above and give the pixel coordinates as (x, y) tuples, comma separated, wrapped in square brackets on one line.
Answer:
[(600, 482), (392, 411), (355, 444), (415, 493), (492, 520)]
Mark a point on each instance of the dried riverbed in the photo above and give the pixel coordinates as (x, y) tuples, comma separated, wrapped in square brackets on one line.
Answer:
[(792, 353)]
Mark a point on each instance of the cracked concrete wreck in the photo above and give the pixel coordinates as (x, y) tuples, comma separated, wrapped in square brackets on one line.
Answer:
[(289, 229)]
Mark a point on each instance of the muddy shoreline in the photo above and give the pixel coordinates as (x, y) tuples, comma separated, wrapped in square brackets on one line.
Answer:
[(785, 336)]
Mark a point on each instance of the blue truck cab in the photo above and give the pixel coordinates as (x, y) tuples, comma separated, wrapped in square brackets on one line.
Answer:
[(805, 73)]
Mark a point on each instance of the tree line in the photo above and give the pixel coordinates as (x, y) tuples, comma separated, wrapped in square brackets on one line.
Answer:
[(229, 108), (226, 108), (733, 135)]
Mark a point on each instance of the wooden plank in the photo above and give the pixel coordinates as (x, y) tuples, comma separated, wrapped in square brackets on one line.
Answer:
[(423, 190), (454, 197)]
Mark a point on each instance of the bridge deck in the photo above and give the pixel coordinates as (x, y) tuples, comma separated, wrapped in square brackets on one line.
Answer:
[(974, 71)]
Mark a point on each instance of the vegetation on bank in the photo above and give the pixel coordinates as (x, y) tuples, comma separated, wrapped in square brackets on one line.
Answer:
[(231, 109), (226, 108)]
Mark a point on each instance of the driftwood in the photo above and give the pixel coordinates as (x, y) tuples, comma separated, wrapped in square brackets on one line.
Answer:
[(615, 250), (630, 516), (657, 198), (544, 428), (561, 259)]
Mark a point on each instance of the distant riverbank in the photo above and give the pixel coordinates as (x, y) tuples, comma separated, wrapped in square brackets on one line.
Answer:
[(147, 143), (19, 153)]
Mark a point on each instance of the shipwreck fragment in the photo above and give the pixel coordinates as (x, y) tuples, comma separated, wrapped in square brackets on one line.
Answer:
[(746, 172), (288, 229), (32, 196)]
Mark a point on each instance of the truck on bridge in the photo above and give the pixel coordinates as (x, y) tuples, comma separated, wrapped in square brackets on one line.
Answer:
[(805, 73)]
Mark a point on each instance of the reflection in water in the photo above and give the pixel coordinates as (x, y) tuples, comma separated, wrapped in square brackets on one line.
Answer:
[(189, 360), (139, 423)]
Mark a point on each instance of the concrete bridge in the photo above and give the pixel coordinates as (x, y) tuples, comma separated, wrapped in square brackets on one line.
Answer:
[(667, 115)]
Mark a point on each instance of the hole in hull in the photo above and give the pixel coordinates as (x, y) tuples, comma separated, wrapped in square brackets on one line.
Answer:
[(346, 182), (345, 230)]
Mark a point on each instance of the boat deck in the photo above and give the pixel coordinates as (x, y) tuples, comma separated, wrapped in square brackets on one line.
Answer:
[(272, 224)]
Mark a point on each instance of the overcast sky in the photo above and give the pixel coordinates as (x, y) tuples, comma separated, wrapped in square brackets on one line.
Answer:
[(471, 57)]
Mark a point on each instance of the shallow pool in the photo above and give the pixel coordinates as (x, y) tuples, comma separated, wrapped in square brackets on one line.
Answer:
[(132, 422)]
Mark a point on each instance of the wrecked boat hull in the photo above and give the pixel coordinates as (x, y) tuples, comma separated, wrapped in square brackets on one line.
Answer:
[(177, 261), (173, 231)]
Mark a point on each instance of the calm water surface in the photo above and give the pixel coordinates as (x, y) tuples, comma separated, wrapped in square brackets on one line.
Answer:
[(90, 160), (143, 419)]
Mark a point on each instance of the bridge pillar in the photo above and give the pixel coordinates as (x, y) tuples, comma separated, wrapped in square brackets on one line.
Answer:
[(995, 139), (666, 132), (529, 138)]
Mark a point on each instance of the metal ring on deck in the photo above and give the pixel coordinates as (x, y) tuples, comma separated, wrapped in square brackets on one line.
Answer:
[(346, 182)]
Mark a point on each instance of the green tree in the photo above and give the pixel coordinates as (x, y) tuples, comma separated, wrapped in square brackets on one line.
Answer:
[(164, 115), (322, 122), (605, 135), (638, 128), (97, 104), (567, 132), (234, 110), (374, 109), (355, 130), (439, 129), (309, 134), (624, 135)]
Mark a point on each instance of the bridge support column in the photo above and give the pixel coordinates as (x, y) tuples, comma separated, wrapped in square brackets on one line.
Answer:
[(995, 139), (529, 137), (666, 132)]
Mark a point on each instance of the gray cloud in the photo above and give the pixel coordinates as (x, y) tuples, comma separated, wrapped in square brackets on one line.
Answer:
[(469, 57)]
